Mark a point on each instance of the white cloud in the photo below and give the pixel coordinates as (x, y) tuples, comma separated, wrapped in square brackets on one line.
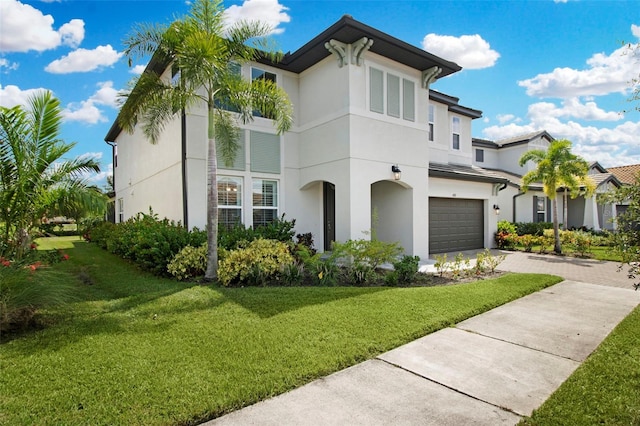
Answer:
[(24, 28), (505, 118), (106, 95), (601, 144), (83, 60), (635, 30), (604, 75), (573, 108), (88, 111), (11, 95), (6, 65), (271, 12), (138, 69), (468, 51), (72, 33)]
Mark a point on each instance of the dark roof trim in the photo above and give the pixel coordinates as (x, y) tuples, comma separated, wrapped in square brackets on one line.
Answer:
[(348, 30), (483, 143), (462, 173), (452, 103)]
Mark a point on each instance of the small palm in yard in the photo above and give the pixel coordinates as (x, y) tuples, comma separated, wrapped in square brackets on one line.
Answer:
[(556, 168), (203, 54)]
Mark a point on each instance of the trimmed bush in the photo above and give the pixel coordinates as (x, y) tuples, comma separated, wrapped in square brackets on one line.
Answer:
[(260, 261), (532, 228), (189, 263)]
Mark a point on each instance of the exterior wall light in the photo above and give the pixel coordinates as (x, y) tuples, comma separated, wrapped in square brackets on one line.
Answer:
[(496, 209), (397, 173)]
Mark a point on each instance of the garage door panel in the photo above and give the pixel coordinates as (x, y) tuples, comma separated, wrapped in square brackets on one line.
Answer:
[(455, 224)]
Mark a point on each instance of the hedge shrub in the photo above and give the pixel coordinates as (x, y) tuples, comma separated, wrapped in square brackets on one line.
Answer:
[(255, 264)]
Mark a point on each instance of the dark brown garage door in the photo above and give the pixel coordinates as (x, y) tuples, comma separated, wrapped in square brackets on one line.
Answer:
[(455, 224)]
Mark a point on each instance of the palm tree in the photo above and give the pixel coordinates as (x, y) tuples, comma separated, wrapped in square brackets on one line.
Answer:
[(556, 168), (202, 53), (34, 179)]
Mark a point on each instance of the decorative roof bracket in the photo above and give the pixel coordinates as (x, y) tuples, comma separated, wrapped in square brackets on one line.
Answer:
[(339, 49), (429, 76), (358, 48)]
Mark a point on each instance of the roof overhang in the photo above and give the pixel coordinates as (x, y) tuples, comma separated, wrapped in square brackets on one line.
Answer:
[(459, 172), (347, 30)]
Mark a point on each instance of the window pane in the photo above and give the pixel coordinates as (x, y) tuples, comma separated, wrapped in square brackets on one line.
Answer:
[(229, 191), (431, 131), (257, 73), (432, 113), (265, 152), (263, 217), (456, 141), (265, 193), (408, 100), (376, 91), (239, 160), (393, 95), (229, 217), (480, 155), (455, 125)]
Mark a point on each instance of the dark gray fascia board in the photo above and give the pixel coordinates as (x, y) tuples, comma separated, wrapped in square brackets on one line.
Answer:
[(348, 30), (155, 65), (444, 172), (483, 143), (452, 104)]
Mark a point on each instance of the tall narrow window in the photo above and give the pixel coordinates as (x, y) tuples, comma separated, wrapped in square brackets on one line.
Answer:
[(221, 101), (120, 210), (408, 100), (393, 95), (240, 158), (258, 74), (229, 201), (376, 90), (265, 201), (455, 132), (432, 120), (480, 155)]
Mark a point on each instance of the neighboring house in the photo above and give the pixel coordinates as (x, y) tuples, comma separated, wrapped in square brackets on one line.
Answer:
[(370, 140), (502, 157)]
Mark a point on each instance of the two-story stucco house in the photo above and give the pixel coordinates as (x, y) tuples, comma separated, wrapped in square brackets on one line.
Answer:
[(370, 139), (502, 158)]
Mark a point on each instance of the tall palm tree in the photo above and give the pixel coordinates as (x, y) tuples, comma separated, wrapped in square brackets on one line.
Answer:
[(557, 167), (202, 53), (34, 178)]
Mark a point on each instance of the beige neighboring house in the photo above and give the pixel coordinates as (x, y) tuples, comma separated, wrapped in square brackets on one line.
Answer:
[(370, 135)]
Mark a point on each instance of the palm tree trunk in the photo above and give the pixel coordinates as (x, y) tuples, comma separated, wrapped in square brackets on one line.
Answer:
[(556, 231), (211, 272)]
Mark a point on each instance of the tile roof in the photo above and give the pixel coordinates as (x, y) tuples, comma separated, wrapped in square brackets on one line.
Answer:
[(457, 171), (523, 138), (625, 174)]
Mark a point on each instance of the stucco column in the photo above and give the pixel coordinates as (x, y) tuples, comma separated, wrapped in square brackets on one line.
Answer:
[(591, 214)]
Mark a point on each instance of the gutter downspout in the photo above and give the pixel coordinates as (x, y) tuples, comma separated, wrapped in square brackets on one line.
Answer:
[(514, 204), (183, 137)]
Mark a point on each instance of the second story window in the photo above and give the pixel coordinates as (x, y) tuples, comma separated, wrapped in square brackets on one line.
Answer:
[(455, 132), (432, 121), (259, 74), (480, 155)]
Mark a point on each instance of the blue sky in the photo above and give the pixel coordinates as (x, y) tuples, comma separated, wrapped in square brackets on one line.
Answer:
[(560, 66)]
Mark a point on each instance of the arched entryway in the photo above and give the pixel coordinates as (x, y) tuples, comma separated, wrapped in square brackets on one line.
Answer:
[(392, 213)]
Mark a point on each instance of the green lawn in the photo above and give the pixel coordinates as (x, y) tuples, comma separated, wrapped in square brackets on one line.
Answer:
[(605, 389), (138, 350)]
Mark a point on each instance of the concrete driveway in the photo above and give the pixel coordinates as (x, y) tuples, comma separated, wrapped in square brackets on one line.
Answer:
[(488, 370)]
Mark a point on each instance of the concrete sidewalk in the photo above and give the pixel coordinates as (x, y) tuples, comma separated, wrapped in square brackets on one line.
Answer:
[(490, 369)]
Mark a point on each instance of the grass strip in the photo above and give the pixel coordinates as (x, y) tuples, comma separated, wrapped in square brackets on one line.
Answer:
[(605, 389), (140, 350)]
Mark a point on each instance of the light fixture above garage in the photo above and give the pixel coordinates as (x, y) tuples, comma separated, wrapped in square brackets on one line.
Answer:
[(496, 209), (397, 173)]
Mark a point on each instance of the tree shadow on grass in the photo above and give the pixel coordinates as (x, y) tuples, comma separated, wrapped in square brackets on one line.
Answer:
[(270, 301)]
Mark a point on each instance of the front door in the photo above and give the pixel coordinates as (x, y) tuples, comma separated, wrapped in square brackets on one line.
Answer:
[(329, 202)]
